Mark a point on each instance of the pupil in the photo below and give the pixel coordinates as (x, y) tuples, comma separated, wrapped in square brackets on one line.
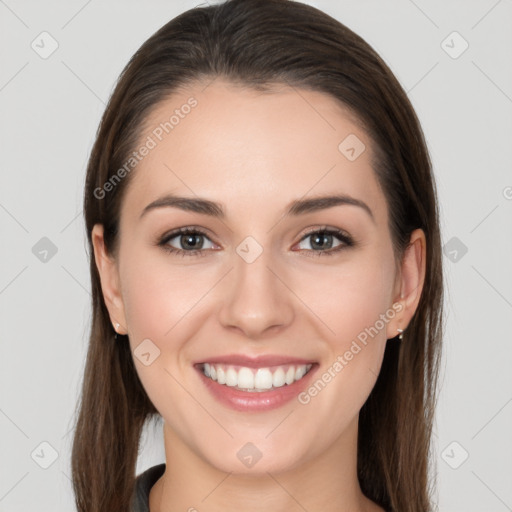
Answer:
[(324, 240), (185, 239)]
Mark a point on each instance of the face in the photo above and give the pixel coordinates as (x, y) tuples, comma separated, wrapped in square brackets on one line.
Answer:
[(265, 284)]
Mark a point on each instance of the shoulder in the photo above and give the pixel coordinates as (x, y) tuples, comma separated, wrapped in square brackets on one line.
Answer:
[(143, 484)]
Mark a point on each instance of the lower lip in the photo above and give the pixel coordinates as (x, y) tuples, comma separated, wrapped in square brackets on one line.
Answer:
[(256, 401)]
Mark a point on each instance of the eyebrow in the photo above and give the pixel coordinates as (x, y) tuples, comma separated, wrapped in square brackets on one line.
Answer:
[(295, 208)]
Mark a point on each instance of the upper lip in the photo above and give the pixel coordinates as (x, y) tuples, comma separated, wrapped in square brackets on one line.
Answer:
[(256, 361)]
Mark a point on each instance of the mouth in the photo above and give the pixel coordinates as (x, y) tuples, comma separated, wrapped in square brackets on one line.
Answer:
[(255, 380), (255, 384)]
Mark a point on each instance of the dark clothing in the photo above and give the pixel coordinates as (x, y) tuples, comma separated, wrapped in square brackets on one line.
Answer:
[(143, 484)]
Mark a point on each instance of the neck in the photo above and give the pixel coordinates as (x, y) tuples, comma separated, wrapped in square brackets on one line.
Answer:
[(326, 482)]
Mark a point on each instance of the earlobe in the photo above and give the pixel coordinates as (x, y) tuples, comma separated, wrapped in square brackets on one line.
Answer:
[(412, 278), (109, 277)]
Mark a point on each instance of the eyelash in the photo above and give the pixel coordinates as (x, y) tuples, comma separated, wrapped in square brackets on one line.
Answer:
[(346, 240)]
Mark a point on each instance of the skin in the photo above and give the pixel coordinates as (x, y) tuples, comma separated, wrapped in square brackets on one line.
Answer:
[(254, 153)]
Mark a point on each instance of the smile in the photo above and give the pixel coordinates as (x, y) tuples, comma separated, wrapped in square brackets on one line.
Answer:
[(255, 379)]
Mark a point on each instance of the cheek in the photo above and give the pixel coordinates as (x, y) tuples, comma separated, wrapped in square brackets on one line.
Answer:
[(354, 302), (160, 301), (351, 297), (158, 294), (357, 308)]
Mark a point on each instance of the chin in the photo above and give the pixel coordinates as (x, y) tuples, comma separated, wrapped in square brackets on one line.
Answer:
[(254, 458)]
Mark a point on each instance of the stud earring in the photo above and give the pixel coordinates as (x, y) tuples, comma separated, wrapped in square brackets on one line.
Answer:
[(116, 327), (401, 335)]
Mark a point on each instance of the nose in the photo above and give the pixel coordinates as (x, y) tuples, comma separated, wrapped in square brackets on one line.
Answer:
[(256, 299)]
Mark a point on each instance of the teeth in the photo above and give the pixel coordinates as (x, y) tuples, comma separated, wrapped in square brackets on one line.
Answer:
[(261, 379), (290, 375), (245, 378), (221, 376), (279, 378), (231, 377)]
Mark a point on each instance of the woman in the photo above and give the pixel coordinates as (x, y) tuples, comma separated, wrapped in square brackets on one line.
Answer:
[(266, 269)]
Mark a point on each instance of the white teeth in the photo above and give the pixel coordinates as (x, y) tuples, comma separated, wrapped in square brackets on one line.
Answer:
[(231, 377), (300, 372), (245, 378), (279, 378), (261, 379)]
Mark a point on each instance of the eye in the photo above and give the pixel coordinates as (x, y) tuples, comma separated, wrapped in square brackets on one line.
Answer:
[(322, 242), (190, 242)]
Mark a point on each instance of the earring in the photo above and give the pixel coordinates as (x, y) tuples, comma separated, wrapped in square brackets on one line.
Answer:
[(116, 326), (401, 335)]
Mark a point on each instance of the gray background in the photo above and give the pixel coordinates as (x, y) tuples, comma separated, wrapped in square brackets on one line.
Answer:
[(50, 109)]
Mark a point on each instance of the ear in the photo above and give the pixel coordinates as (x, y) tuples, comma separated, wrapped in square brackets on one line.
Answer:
[(409, 283), (109, 276)]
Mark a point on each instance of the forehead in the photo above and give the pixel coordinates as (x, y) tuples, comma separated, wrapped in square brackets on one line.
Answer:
[(239, 146)]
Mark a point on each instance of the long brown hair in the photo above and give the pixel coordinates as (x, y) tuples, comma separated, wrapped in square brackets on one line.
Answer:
[(258, 43)]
